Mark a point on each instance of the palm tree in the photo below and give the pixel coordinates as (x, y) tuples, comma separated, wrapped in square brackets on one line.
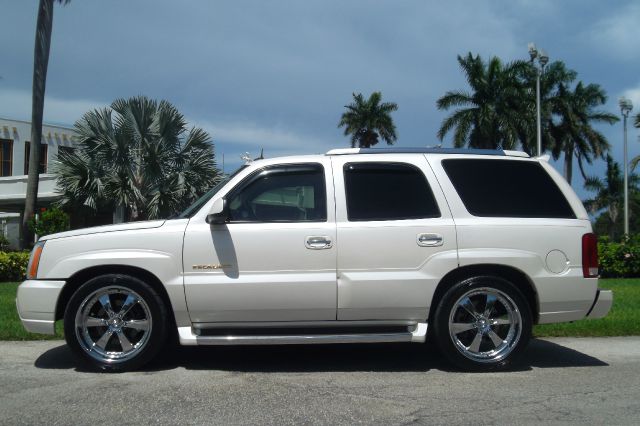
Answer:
[(571, 127), (368, 120), (40, 64), (491, 114), (499, 111), (137, 157), (609, 194)]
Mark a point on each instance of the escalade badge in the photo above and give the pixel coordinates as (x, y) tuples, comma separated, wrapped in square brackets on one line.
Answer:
[(211, 266)]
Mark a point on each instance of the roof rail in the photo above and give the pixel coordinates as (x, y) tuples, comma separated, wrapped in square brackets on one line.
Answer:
[(426, 150)]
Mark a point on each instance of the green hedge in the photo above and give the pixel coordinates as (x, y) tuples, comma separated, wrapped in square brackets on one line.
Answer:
[(13, 265), (619, 260)]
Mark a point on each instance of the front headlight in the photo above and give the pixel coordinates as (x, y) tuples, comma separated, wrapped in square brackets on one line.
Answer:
[(34, 260)]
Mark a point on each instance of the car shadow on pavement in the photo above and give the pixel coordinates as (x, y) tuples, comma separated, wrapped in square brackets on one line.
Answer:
[(390, 357)]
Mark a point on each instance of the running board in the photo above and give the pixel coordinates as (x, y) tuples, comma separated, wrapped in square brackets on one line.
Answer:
[(189, 338)]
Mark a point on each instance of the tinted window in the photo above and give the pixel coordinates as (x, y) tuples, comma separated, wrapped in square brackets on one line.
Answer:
[(506, 188), (281, 194), (387, 191), (6, 157), (43, 157)]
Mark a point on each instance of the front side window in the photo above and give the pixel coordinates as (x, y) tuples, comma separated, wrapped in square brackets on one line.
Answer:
[(292, 193), (388, 191)]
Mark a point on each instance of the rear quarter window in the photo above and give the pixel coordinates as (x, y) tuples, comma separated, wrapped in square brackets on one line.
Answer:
[(507, 188)]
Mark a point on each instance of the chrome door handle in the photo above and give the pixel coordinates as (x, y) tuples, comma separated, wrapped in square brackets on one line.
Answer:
[(318, 242), (430, 240)]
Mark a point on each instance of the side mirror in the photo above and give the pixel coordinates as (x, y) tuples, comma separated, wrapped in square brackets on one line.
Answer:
[(218, 213)]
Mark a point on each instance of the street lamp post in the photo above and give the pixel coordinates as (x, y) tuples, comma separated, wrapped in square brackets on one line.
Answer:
[(625, 108), (543, 59)]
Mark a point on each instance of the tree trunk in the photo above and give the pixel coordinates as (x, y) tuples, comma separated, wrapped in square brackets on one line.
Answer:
[(568, 166), (40, 64)]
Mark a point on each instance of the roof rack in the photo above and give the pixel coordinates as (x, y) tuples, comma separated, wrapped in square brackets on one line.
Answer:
[(426, 150)]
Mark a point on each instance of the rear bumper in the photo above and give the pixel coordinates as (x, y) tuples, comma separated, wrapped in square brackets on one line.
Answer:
[(601, 305), (36, 303)]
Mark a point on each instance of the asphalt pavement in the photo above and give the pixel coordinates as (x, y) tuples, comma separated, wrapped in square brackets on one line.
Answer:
[(563, 380)]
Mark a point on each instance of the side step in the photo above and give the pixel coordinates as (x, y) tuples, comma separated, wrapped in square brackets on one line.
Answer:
[(189, 338)]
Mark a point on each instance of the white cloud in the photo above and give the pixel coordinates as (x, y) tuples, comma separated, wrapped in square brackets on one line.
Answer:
[(617, 34), (16, 104), (251, 135), (236, 134)]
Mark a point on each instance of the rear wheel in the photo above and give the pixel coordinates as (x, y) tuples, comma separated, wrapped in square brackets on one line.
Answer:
[(483, 324), (115, 322)]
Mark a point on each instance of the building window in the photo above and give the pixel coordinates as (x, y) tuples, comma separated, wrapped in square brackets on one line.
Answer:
[(43, 158), (6, 157)]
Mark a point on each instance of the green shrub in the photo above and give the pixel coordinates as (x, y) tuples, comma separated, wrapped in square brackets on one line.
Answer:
[(4, 243), (619, 260), (50, 221), (13, 265)]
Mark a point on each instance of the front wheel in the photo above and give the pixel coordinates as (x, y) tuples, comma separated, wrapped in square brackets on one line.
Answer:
[(115, 322), (483, 324)]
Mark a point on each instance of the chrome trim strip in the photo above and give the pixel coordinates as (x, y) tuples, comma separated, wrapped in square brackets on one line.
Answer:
[(189, 338), (303, 340), (296, 324)]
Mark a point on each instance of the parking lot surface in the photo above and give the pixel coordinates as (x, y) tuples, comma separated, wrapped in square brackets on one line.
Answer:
[(563, 380)]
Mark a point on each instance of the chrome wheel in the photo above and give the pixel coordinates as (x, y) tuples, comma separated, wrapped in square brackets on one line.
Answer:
[(485, 325), (113, 324)]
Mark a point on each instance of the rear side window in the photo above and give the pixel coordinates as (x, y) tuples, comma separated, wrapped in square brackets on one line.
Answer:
[(387, 191), (507, 188)]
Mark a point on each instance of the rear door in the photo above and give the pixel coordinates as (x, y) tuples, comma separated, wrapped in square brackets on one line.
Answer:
[(396, 236)]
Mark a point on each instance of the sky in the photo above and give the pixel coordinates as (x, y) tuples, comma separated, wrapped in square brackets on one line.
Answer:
[(277, 74)]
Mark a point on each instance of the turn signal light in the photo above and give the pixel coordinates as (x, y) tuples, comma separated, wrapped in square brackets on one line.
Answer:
[(34, 260)]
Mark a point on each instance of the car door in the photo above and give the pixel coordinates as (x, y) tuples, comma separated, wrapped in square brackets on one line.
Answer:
[(396, 236), (275, 257)]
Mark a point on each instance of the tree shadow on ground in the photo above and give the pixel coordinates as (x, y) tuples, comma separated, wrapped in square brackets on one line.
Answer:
[(391, 357)]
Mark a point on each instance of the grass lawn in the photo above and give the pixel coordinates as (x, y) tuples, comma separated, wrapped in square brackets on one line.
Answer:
[(623, 320), (10, 325)]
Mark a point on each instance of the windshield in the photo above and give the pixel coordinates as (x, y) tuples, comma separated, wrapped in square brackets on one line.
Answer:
[(197, 205)]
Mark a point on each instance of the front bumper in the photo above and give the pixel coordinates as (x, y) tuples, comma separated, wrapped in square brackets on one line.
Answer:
[(601, 305), (36, 303)]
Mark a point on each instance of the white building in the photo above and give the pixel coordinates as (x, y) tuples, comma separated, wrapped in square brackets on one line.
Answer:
[(14, 164)]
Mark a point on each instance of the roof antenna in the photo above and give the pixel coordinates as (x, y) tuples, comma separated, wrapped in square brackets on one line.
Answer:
[(261, 155)]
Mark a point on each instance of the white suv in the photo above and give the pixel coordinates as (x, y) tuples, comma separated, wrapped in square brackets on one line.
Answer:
[(354, 246)]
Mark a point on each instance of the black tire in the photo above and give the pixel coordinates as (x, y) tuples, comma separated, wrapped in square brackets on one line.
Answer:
[(97, 345), (478, 348)]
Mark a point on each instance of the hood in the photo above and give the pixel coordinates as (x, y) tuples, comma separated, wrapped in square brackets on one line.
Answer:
[(106, 228)]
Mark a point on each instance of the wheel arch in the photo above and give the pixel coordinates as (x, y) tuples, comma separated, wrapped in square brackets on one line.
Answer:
[(80, 277), (513, 275)]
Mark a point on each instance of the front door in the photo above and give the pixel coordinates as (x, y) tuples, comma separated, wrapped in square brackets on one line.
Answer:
[(275, 259)]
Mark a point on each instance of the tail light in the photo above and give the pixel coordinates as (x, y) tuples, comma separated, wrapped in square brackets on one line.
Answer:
[(589, 255)]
